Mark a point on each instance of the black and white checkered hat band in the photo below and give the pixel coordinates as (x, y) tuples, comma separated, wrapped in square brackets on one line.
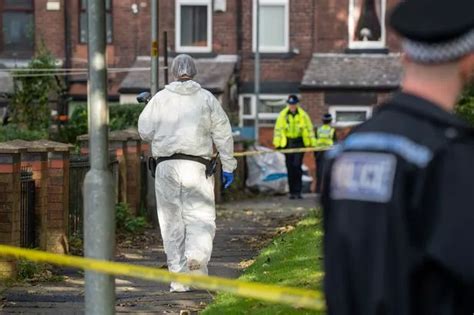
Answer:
[(440, 52)]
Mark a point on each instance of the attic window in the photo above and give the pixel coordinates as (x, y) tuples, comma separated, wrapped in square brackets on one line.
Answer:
[(367, 24)]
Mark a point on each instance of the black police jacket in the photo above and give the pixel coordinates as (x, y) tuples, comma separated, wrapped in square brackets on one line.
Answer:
[(398, 206)]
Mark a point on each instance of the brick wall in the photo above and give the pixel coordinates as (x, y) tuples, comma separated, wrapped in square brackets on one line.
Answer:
[(225, 29), (331, 28), (49, 28), (224, 39), (58, 202), (133, 175), (9, 209), (315, 26), (393, 41), (121, 52), (287, 67), (313, 104)]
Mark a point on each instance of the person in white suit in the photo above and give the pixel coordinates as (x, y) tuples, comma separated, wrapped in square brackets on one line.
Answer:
[(182, 122)]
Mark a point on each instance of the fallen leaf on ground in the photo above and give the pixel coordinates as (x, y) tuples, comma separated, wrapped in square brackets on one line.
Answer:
[(246, 263), (285, 229)]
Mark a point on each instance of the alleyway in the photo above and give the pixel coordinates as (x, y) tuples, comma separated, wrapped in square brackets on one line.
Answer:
[(242, 229)]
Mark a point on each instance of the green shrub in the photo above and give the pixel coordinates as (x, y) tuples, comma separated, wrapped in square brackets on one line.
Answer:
[(121, 117), (30, 271), (30, 108), (465, 107), (126, 223), (13, 132), (125, 116), (76, 126), (27, 269)]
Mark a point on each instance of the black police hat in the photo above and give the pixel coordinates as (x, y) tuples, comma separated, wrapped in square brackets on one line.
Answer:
[(327, 118), (435, 30), (293, 99)]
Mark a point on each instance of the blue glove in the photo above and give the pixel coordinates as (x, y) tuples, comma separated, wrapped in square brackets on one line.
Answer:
[(227, 179)]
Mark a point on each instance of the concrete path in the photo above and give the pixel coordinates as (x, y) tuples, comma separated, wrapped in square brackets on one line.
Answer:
[(243, 228)]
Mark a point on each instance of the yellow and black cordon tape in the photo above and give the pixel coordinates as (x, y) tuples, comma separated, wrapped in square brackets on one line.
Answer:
[(298, 298), (296, 150)]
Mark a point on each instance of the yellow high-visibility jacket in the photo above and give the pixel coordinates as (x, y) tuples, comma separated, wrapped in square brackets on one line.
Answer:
[(325, 136), (292, 126)]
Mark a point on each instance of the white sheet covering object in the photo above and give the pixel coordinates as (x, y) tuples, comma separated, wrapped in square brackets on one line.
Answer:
[(267, 172)]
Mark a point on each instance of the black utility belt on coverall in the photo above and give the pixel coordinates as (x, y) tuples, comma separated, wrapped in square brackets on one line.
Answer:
[(211, 165)]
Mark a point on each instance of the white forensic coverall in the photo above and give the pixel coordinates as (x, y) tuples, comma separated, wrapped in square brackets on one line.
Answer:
[(185, 118)]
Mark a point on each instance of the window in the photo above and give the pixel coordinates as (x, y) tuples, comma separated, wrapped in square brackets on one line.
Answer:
[(83, 21), (344, 116), (270, 107), (367, 24), (274, 26), (17, 36), (193, 26)]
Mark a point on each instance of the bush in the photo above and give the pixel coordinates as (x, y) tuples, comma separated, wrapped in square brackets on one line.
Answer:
[(12, 132), (126, 223), (465, 107), (30, 107), (125, 116), (30, 271), (76, 126), (121, 117)]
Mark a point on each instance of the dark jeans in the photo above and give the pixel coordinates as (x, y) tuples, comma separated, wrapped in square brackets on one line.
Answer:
[(319, 170), (293, 166)]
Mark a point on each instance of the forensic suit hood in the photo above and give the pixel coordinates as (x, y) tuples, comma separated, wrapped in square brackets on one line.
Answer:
[(185, 118)]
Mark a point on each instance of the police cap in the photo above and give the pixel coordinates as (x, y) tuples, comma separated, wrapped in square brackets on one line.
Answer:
[(327, 118), (293, 99), (435, 30)]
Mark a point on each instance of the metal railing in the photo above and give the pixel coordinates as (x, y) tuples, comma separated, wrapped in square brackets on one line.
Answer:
[(27, 209), (78, 168)]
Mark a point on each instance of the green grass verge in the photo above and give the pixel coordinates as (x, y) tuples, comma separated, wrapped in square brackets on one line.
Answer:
[(292, 259)]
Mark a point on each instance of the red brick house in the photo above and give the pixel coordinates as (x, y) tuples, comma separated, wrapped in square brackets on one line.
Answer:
[(338, 55)]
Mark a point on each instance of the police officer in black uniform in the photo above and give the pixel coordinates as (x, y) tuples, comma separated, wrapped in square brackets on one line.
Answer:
[(398, 193)]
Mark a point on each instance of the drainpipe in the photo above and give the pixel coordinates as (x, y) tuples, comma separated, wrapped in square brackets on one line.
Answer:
[(257, 70), (154, 47), (67, 43)]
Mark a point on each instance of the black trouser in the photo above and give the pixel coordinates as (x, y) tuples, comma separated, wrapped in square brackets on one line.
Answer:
[(293, 166), (319, 155)]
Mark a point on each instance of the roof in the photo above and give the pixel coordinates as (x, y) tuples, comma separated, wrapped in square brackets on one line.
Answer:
[(374, 71), (213, 75)]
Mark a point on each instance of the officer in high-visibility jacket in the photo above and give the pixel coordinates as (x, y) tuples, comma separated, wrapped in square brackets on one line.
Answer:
[(294, 129), (325, 137)]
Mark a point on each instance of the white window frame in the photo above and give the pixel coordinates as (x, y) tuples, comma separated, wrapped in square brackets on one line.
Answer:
[(253, 108), (272, 49), (193, 49), (334, 109), (366, 44)]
